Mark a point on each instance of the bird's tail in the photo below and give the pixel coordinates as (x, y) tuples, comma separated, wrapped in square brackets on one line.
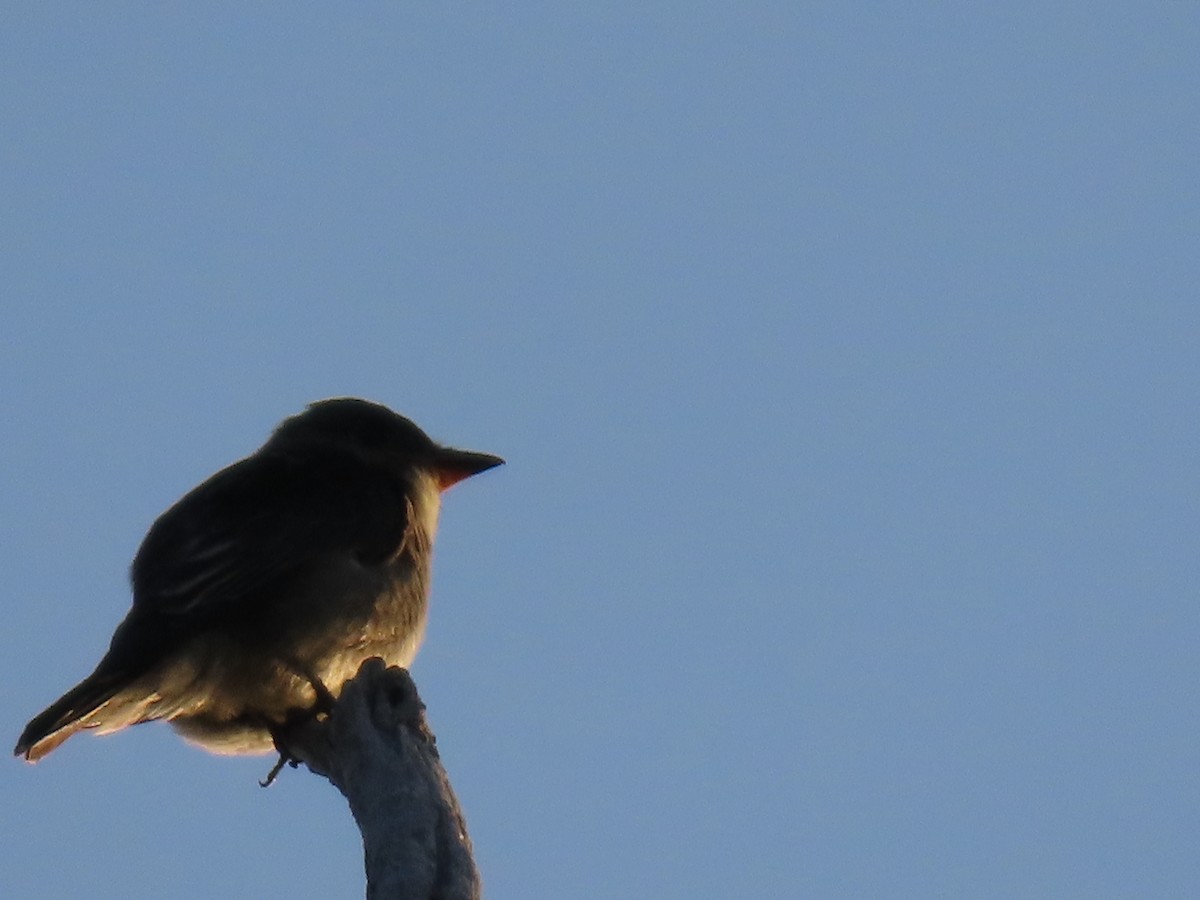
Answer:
[(68, 714)]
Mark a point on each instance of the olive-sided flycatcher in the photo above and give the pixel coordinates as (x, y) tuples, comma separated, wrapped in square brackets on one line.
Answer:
[(272, 581)]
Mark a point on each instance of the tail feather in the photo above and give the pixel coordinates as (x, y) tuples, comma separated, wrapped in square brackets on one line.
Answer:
[(67, 715)]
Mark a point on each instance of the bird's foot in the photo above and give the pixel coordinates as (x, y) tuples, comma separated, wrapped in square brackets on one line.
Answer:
[(321, 709), (284, 760), (279, 738)]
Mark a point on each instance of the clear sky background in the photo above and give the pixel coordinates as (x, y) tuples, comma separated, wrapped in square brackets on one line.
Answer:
[(845, 360)]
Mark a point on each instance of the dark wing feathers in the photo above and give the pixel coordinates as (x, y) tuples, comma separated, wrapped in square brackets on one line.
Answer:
[(236, 543)]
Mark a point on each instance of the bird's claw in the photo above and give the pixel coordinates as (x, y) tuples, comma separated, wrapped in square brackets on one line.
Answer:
[(322, 708), (286, 756), (284, 760)]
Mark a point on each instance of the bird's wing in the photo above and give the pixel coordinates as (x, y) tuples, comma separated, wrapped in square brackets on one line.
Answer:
[(243, 536)]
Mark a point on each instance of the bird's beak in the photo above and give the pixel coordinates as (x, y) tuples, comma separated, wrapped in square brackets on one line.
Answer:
[(451, 466)]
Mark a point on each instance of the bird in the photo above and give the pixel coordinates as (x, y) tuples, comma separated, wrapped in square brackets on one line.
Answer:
[(261, 591)]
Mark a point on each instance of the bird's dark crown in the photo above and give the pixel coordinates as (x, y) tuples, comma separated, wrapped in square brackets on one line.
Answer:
[(367, 426)]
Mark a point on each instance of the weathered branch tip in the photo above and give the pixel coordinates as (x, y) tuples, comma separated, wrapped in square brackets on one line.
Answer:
[(377, 749)]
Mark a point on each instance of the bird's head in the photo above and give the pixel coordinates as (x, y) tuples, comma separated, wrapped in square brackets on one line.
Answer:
[(379, 435)]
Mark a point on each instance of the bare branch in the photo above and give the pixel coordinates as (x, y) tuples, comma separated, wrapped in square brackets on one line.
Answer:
[(377, 749)]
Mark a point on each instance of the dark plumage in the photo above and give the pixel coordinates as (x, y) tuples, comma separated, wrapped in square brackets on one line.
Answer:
[(285, 569)]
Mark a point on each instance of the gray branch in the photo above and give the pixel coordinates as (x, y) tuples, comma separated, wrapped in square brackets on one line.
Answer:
[(378, 751)]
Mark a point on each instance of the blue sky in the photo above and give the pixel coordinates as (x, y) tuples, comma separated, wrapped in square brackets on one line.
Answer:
[(845, 361)]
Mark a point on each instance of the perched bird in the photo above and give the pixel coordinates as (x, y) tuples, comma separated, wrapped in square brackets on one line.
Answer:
[(271, 582)]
